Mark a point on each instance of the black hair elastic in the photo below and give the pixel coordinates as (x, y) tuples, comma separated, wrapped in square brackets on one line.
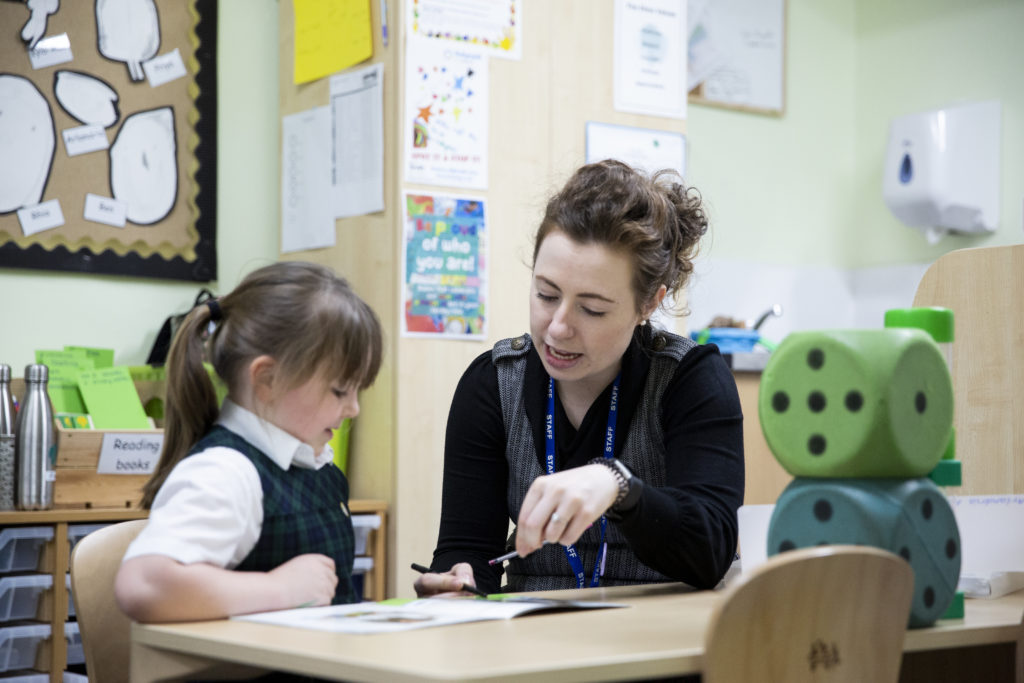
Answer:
[(216, 315)]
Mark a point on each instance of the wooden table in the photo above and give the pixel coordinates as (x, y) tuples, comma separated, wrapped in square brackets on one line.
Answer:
[(661, 634)]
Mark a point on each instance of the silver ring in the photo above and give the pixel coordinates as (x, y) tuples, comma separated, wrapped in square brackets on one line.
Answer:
[(554, 518)]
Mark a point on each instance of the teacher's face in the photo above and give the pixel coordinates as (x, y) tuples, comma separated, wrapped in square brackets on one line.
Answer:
[(582, 310)]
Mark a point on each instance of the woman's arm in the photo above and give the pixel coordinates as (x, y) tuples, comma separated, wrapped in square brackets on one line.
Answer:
[(157, 588), (688, 529), (474, 507)]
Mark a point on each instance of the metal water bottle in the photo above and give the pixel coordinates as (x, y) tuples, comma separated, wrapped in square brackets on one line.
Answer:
[(35, 443), (6, 440)]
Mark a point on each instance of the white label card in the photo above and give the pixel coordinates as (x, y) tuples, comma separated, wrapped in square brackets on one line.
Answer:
[(40, 217), (164, 68), (104, 210), (51, 51), (84, 139), (129, 453)]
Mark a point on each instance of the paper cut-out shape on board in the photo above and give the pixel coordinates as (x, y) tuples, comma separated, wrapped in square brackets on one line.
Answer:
[(144, 165), (27, 141), (86, 98), (35, 27), (128, 31)]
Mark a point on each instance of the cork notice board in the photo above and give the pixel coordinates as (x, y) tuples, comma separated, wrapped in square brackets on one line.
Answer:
[(155, 172)]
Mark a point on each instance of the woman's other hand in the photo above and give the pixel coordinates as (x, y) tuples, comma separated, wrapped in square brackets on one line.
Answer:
[(559, 507), (451, 581)]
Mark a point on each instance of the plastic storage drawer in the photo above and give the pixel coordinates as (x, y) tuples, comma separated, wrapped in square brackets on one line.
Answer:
[(19, 644), (20, 595), (21, 546), (362, 525), (76, 532), (76, 655)]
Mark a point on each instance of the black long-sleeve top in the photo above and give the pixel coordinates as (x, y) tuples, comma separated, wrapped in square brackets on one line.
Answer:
[(687, 530)]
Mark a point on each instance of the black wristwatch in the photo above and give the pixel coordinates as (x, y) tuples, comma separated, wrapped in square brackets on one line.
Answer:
[(630, 487)]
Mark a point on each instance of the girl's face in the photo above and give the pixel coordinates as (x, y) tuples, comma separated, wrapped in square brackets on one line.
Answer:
[(582, 310), (312, 410)]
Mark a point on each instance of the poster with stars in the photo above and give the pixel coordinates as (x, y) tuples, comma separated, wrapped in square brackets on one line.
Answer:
[(444, 267), (446, 115)]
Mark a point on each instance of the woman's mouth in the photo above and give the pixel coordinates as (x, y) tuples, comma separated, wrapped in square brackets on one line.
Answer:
[(561, 359)]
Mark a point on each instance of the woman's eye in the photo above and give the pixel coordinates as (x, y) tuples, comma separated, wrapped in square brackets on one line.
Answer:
[(596, 314), (546, 297)]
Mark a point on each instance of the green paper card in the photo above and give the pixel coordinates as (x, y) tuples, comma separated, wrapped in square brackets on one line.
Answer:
[(101, 358), (111, 399), (63, 368)]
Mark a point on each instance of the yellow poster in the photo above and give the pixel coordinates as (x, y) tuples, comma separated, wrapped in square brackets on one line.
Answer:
[(330, 35)]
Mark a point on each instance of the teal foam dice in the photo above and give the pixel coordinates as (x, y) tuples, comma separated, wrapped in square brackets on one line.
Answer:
[(908, 517), (857, 403)]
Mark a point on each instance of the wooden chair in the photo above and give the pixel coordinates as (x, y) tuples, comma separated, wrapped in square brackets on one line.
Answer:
[(105, 630), (830, 613)]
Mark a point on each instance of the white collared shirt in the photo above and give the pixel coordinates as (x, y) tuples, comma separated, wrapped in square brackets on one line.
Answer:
[(210, 507)]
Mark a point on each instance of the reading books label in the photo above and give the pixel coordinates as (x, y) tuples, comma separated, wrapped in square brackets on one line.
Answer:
[(129, 453)]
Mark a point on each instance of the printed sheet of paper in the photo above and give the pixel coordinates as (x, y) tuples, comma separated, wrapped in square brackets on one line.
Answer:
[(492, 26), (446, 115), (357, 141), (111, 399), (404, 615), (643, 148), (650, 59), (330, 35), (444, 266), (307, 221), (62, 384)]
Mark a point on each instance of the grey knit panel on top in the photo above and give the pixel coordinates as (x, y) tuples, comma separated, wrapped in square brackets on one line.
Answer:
[(643, 453)]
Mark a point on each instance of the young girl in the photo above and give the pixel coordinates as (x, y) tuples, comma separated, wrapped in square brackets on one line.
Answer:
[(247, 510)]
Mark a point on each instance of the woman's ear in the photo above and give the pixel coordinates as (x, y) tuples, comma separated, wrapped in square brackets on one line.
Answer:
[(261, 373), (653, 304)]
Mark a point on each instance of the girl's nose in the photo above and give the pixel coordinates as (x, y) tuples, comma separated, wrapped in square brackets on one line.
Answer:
[(351, 406)]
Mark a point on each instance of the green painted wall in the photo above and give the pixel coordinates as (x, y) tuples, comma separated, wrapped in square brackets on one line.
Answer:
[(48, 309)]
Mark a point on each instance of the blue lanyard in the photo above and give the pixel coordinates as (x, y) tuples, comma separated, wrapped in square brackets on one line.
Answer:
[(609, 452)]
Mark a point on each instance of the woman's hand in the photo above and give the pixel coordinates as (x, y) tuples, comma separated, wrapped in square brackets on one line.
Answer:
[(451, 581), (559, 507)]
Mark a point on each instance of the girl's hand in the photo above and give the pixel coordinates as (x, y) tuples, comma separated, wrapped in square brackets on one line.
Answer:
[(306, 581), (559, 507), (449, 582)]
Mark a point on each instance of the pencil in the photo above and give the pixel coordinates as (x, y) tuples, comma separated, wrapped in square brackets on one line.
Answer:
[(465, 586), (502, 558)]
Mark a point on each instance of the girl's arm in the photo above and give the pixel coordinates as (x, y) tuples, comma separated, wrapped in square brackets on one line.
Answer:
[(156, 588)]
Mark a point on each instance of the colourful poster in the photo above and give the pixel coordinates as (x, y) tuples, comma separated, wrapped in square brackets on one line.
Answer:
[(444, 291), (446, 115)]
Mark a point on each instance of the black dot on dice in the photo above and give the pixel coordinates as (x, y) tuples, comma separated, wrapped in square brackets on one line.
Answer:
[(854, 401), (920, 402), (816, 401), (822, 510), (780, 401), (816, 444), (926, 509), (929, 597), (951, 548), (815, 358), (786, 545), (905, 553)]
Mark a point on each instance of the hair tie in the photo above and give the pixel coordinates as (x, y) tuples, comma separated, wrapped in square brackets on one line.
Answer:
[(216, 315)]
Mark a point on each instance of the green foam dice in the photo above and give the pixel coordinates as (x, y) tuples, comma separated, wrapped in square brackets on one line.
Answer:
[(857, 403), (908, 517)]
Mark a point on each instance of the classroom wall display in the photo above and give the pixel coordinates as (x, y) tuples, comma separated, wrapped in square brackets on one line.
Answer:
[(736, 54), (108, 137), (444, 267)]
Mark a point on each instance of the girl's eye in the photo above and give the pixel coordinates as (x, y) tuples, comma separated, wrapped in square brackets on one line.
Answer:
[(338, 393)]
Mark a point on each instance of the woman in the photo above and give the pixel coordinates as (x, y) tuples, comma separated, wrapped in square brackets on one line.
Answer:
[(616, 449)]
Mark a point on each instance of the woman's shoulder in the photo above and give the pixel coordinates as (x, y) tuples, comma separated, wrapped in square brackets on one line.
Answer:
[(513, 347)]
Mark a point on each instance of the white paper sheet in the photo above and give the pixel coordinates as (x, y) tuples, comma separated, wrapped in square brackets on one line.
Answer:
[(647, 149), (491, 26), (650, 59), (357, 141), (446, 115), (306, 217)]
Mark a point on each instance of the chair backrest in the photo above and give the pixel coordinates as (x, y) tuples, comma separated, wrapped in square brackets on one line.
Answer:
[(105, 630), (829, 613), (984, 287)]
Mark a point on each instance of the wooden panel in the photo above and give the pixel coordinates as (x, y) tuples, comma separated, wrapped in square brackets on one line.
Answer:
[(985, 290), (765, 477)]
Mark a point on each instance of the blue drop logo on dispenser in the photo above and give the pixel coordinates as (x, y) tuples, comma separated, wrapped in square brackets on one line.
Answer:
[(906, 170)]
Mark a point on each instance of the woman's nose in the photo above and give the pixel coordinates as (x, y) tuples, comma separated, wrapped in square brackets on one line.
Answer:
[(561, 325)]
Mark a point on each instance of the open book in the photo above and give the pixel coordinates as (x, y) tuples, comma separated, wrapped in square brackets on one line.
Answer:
[(402, 615)]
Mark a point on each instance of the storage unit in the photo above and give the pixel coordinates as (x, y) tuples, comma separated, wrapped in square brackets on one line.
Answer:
[(21, 596), (20, 645)]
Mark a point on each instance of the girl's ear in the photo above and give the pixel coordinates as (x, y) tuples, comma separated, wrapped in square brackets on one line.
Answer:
[(261, 377)]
